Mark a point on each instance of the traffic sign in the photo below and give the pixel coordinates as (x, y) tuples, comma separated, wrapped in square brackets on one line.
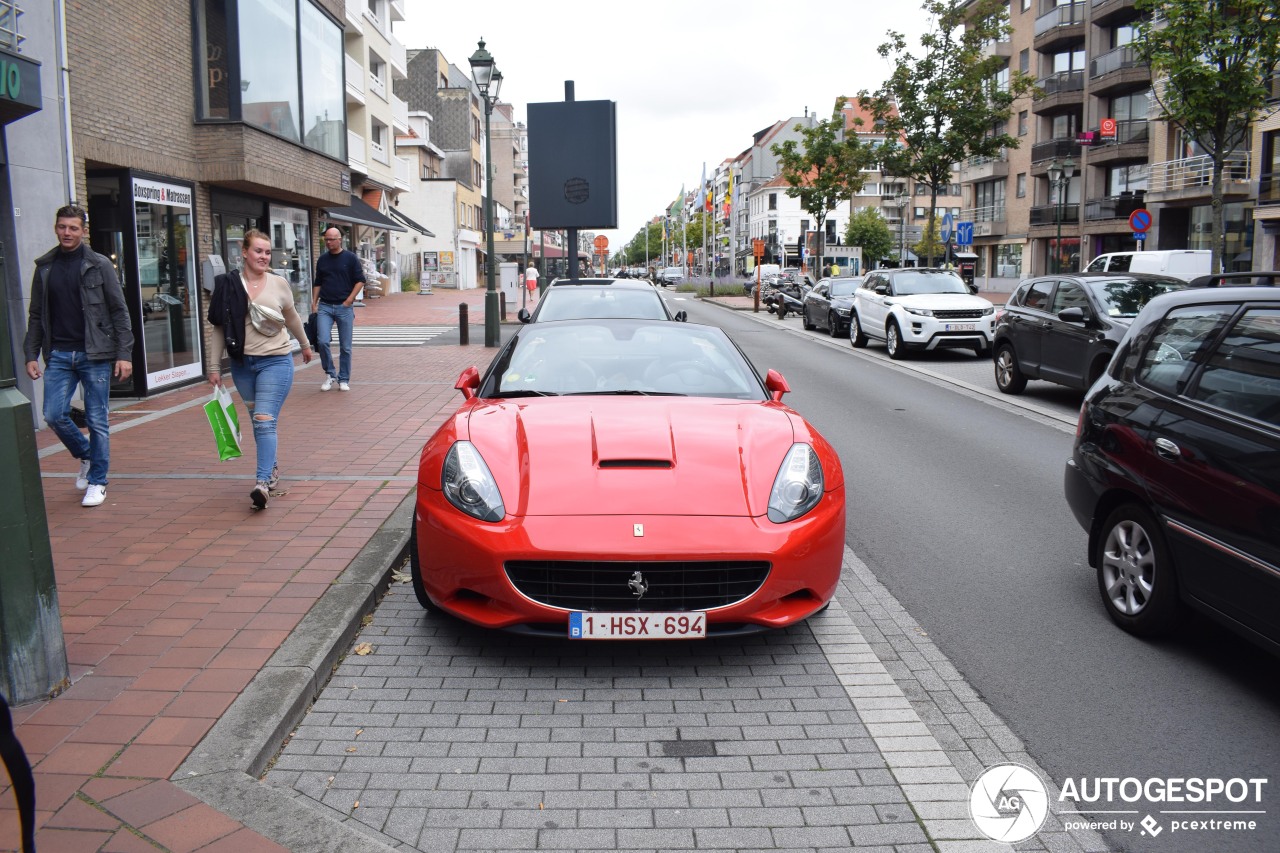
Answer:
[(1140, 220), (1140, 236), (948, 225), (964, 233), (601, 241), (757, 248)]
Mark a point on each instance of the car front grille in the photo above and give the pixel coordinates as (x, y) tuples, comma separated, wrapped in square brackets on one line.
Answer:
[(612, 586), (965, 314)]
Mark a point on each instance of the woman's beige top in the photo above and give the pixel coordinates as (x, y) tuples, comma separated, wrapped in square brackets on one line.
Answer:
[(275, 294)]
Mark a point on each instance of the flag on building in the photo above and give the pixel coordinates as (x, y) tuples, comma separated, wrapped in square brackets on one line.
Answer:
[(728, 194)]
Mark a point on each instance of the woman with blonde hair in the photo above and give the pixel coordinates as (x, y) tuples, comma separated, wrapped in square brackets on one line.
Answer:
[(250, 312)]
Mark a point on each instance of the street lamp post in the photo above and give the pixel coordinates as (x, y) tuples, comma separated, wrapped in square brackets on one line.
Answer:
[(1060, 180), (902, 203), (488, 80)]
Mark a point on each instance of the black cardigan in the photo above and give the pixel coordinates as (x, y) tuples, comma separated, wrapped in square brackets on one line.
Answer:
[(228, 308)]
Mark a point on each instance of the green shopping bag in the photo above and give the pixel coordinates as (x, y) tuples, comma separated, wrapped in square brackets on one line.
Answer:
[(221, 412)]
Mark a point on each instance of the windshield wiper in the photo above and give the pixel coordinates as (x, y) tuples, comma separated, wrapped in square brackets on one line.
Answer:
[(527, 392), (627, 392)]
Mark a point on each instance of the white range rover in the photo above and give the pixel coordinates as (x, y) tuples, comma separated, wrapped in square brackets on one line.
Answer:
[(920, 309)]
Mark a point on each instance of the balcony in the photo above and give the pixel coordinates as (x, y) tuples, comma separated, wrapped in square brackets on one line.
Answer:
[(1047, 214), (988, 221), (1054, 149), (1191, 177), (1108, 12), (398, 60), (1117, 70), (379, 153), (1114, 207), (984, 168), (355, 152), (1001, 47), (397, 10), (1064, 89), (399, 115), (355, 14), (377, 85), (1130, 143), (355, 82), (1058, 25), (404, 172)]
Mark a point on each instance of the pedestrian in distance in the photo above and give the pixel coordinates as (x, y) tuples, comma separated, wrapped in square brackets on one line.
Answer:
[(79, 323), (339, 279), (531, 279), (252, 315)]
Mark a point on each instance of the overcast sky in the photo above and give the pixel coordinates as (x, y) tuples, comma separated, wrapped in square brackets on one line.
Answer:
[(693, 80)]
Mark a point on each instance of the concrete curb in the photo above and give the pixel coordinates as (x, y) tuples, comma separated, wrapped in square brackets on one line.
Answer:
[(224, 767)]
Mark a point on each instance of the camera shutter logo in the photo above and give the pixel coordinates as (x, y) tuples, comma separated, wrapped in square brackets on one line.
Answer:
[(1009, 803)]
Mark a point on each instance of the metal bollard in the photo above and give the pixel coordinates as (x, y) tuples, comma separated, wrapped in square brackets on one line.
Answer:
[(502, 301), (464, 336)]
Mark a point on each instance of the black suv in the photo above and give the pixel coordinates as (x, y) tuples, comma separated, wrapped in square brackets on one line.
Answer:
[(1064, 328), (1176, 469)]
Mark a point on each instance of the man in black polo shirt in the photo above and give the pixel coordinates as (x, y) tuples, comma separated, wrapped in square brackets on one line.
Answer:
[(339, 277)]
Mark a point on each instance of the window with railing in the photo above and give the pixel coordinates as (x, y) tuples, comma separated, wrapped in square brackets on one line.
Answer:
[(1058, 14), (1115, 60), (10, 38), (1196, 172)]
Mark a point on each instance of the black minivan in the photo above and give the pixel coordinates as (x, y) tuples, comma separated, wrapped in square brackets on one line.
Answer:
[(1176, 468)]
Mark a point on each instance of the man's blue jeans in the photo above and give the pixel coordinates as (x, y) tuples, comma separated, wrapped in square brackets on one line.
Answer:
[(344, 317), (263, 382), (62, 371)]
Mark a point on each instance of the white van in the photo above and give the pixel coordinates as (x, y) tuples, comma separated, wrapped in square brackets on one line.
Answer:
[(1185, 264)]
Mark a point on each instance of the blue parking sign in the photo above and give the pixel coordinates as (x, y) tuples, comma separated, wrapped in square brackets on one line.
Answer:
[(964, 233)]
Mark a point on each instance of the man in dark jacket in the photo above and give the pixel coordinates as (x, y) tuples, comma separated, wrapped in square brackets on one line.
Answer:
[(79, 323)]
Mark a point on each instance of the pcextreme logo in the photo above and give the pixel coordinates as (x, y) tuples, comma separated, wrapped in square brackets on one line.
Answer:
[(1009, 803)]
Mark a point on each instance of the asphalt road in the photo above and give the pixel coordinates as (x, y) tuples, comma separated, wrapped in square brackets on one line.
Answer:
[(955, 503)]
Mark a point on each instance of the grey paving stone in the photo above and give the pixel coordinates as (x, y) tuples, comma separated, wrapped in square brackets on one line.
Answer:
[(659, 838)]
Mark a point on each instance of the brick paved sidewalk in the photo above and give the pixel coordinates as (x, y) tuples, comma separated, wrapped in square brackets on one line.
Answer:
[(174, 594)]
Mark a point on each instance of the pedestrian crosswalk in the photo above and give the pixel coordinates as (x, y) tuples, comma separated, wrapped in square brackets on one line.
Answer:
[(391, 336)]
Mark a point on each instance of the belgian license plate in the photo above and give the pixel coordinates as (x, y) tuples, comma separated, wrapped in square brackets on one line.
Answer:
[(637, 626), (961, 327)]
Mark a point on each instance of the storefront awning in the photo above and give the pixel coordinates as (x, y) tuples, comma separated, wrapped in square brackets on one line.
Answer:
[(359, 213), (404, 220)]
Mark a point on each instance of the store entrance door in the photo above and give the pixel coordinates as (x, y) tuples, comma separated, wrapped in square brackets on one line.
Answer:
[(230, 229)]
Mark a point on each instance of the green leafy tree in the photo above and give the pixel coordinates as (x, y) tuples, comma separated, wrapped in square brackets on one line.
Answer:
[(634, 251), (1213, 60), (868, 229), (952, 101), (828, 169), (930, 244)]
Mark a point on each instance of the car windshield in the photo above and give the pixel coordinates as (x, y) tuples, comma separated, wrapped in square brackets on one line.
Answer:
[(568, 302), (844, 286), (1124, 297), (928, 281), (637, 357)]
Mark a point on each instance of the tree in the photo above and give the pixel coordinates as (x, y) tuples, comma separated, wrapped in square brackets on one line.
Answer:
[(930, 243), (868, 229), (1213, 60), (829, 168), (952, 102)]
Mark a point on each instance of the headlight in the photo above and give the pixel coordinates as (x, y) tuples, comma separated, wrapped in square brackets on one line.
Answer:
[(798, 486), (468, 485), (988, 311), (920, 312), (844, 312)]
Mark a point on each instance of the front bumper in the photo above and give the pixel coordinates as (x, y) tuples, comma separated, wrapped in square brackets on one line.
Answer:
[(462, 560)]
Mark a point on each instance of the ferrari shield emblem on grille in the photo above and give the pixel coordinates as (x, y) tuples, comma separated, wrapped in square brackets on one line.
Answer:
[(638, 585), (637, 529)]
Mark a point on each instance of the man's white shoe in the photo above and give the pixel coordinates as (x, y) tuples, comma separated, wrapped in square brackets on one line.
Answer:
[(344, 386), (82, 479), (94, 495), (327, 384)]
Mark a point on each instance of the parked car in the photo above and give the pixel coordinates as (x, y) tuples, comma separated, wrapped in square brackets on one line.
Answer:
[(578, 486), (1065, 328), (570, 299), (829, 304), (1185, 264), (1175, 474), (670, 275), (918, 308)]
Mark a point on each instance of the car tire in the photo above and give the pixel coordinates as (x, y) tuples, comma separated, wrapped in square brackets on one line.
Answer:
[(856, 336), (893, 341), (1009, 378), (1136, 578), (804, 318), (415, 570), (982, 350), (833, 325)]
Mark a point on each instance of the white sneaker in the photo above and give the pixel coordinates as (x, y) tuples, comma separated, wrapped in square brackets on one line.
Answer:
[(344, 386), (82, 479), (94, 495), (327, 384)]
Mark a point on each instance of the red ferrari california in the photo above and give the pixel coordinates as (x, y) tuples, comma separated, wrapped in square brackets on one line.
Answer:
[(626, 479)]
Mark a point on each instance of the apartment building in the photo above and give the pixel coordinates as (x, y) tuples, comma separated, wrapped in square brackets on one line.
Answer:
[(1092, 151), (1266, 141)]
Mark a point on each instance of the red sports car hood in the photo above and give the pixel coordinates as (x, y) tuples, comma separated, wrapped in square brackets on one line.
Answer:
[(633, 455)]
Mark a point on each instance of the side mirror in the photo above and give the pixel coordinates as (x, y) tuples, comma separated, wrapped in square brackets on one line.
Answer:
[(973, 288), (468, 382), (882, 289), (523, 315), (775, 385), (1075, 314), (681, 316)]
